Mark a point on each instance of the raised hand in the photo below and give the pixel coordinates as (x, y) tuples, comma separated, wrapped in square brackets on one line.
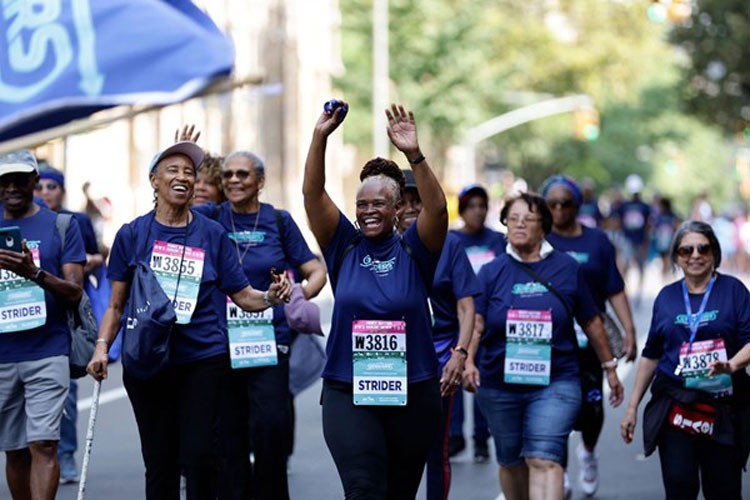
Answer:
[(188, 133), (402, 130), (328, 122)]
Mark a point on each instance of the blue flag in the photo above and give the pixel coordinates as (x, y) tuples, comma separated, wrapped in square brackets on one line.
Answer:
[(64, 59)]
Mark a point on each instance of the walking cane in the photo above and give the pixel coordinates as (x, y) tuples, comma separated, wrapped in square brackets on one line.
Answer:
[(89, 439)]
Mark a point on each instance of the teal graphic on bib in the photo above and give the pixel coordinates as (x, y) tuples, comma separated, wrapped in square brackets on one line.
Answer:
[(379, 363)]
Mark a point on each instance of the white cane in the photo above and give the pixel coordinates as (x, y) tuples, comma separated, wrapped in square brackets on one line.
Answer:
[(89, 439)]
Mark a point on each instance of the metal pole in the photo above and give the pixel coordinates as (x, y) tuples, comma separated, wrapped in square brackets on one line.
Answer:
[(380, 77), (89, 439)]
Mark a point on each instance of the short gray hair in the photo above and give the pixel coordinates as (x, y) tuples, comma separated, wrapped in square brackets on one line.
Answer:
[(255, 160)]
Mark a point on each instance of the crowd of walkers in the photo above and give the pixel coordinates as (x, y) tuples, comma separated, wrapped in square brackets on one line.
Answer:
[(208, 291)]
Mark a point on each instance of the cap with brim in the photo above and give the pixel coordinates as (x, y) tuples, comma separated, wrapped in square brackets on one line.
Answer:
[(22, 162), (410, 181), (187, 148), (467, 192)]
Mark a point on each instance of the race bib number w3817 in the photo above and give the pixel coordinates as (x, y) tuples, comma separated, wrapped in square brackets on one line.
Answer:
[(528, 350)]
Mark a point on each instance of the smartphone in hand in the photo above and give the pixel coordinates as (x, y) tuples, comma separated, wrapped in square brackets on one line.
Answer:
[(10, 238)]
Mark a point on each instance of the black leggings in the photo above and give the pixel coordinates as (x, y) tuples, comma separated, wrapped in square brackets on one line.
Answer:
[(683, 457), (177, 413), (591, 417), (380, 451)]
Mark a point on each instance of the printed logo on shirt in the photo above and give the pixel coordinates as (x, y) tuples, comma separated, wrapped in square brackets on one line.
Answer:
[(580, 257), (530, 288), (682, 319), (379, 267), (252, 237)]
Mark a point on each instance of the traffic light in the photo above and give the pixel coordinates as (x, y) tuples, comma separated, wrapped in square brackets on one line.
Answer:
[(674, 11), (586, 124)]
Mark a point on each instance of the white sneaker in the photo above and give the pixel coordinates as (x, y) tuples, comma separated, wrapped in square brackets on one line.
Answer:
[(567, 490), (589, 476)]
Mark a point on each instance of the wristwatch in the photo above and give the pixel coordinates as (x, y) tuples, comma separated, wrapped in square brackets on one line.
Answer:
[(461, 350), (612, 363), (39, 276), (267, 300)]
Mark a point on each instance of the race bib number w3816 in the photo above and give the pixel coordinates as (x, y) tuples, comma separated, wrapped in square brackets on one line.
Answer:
[(379, 363)]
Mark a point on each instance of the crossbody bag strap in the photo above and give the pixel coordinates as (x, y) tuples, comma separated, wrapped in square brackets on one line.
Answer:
[(545, 284)]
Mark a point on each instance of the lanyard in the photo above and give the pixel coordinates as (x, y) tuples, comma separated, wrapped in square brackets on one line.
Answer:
[(694, 320)]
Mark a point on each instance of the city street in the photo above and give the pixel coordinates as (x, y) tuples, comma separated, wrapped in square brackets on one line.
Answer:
[(117, 470)]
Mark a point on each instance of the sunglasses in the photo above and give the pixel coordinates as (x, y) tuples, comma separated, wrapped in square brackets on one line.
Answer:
[(562, 203), (240, 174), (687, 250)]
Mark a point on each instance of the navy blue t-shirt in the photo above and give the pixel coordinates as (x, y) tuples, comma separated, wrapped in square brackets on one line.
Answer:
[(589, 214), (262, 247), (380, 280), (454, 280), (87, 231), (481, 247), (52, 339), (634, 217), (206, 333), (727, 316), (504, 285), (596, 256)]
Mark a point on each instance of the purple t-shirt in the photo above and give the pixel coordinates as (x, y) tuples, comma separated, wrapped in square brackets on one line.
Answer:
[(205, 335), (380, 280), (52, 339)]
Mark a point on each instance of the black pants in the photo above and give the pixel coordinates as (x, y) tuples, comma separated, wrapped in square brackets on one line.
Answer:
[(591, 417), (258, 418), (380, 451), (177, 413), (687, 462)]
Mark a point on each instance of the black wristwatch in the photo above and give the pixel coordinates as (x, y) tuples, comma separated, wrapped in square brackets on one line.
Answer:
[(39, 276)]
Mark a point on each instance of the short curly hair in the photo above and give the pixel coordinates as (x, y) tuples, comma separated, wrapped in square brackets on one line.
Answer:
[(535, 203), (386, 168), (211, 168)]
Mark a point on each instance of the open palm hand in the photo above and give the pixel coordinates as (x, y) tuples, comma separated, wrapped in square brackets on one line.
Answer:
[(402, 130)]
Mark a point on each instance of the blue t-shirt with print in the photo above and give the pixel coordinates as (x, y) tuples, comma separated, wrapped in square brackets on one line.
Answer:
[(634, 217), (52, 339), (596, 255), (589, 214), (504, 286), (481, 247), (727, 316), (205, 335), (454, 280), (380, 280), (256, 240)]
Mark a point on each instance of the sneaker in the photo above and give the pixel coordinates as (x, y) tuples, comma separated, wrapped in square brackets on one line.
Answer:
[(567, 490), (68, 469), (589, 476), (456, 444), (481, 453)]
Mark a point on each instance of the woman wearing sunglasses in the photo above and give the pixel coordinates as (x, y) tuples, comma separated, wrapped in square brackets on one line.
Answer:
[(263, 237), (595, 254), (697, 347)]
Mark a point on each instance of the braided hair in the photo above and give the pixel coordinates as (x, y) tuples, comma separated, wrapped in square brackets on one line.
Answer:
[(388, 170)]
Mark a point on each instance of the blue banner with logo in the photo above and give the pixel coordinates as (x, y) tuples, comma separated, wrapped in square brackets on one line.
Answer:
[(65, 59)]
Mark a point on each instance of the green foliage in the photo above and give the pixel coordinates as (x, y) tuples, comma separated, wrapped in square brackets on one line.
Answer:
[(457, 63), (716, 73)]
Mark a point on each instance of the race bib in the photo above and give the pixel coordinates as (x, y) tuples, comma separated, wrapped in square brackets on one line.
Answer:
[(22, 305), (694, 362), (528, 350), (379, 363), (252, 339), (633, 220), (479, 256), (183, 274)]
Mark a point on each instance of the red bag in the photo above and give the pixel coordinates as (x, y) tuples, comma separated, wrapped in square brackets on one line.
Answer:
[(697, 419)]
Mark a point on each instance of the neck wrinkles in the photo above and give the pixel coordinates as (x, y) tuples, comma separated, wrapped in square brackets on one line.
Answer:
[(171, 215)]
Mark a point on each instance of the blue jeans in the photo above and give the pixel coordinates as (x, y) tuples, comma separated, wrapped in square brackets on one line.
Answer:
[(531, 423), (68, 434), (481, 432)]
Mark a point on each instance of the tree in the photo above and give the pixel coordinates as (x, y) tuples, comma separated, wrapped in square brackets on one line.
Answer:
[(716, 73)]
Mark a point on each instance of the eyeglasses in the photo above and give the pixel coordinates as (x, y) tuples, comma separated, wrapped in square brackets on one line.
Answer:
[(562, 203), (527, 219), (687, 250), (49, 186), (240, 174)]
